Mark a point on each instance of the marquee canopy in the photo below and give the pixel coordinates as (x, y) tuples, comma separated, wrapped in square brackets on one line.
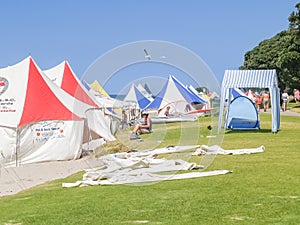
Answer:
[(252, 79)]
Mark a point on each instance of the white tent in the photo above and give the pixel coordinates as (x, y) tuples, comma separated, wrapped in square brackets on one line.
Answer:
[(96, 86), (137, 97), (175, 95), (201, 95), (252, 79), (98, 121), (103, 100), (64, 77), (38, 120), (144, 92)]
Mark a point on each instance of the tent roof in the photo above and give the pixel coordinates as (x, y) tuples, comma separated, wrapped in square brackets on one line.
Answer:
[(134, 95), (97, 87), (236, 92), (195, 92), (147, 89), (63, 76), (173, 91), (144, 92), (250, 78), (31, 96)]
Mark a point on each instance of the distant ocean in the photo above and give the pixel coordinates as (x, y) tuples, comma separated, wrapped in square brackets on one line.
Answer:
[(119, 97)]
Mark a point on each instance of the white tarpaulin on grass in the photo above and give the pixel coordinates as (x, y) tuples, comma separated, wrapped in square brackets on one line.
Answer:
[(215, 149), (138, 170), (143, 166)]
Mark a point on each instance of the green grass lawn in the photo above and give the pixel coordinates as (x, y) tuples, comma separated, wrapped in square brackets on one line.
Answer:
[(263, 188)]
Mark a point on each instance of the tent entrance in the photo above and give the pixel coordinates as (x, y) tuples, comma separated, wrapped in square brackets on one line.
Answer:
[(242, 114)]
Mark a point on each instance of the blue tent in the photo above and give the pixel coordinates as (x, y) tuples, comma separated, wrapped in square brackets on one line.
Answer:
[(242, 114)]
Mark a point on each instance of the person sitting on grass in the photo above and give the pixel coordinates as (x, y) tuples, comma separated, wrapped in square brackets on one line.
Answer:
[(144, 127)]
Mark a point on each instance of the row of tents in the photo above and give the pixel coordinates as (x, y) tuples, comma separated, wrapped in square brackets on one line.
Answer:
[(181, 99), (49, 115), (237, 108)]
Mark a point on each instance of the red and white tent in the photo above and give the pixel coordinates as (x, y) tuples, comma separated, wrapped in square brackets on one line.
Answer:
[(99, 120), (38, 120), (64, 77), (250, 94)]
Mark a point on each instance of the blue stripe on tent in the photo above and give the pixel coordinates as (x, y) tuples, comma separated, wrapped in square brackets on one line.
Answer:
[(189, 89), (142, 100), (188, 95), (155, 104), (86, 85), (236, 92)]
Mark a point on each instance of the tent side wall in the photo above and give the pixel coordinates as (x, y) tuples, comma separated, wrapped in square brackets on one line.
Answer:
[(42, 141)]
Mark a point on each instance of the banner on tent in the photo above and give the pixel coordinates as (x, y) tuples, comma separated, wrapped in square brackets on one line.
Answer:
[(48, 130), (7, 105), (39, 142)]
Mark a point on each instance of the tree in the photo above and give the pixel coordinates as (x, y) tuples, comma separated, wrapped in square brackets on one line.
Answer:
[(294, 20), (281, 52)]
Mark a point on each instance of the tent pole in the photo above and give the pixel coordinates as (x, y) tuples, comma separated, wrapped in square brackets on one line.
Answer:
[(17, 145), (88, 128)]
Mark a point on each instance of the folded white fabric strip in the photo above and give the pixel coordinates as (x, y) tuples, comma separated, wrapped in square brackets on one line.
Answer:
[(215, 149), (143, 166)]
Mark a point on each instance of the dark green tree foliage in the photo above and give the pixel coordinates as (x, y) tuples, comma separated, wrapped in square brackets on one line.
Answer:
[(294, 20), (281, 52)]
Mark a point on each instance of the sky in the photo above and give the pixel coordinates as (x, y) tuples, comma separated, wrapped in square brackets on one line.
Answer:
[(220, 32)]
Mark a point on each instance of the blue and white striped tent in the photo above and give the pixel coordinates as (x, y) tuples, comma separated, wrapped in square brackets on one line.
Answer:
[(174, 91), (236, 92), (134, 95), (251, 79)]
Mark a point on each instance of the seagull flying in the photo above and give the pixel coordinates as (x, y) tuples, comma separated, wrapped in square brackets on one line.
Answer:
[(147, 56)]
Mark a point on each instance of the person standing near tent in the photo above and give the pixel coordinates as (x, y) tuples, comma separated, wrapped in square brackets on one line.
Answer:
[(144, 127), (124, 122), (296, 95), (285, 98), (258, 101), (266, 100)]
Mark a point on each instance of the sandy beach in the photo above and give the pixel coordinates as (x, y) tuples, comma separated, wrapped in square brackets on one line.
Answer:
[(16, 179)]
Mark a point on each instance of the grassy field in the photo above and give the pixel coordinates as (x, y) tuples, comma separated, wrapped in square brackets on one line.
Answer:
[(263, 188)]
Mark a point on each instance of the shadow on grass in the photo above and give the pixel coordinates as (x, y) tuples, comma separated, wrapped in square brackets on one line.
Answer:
[(249, 131)]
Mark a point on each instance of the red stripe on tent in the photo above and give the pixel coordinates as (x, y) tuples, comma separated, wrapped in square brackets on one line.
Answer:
[(40, 102), (71, 86)]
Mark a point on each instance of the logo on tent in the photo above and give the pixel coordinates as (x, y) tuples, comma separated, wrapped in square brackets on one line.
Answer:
[(3, 85)]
